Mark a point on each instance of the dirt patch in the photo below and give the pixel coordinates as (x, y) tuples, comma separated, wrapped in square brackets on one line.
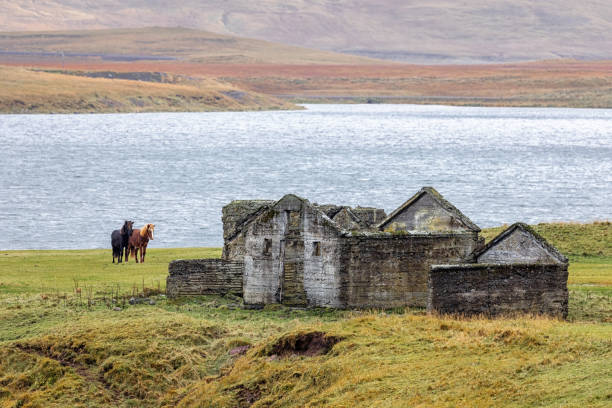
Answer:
[(308, 344), (247, 396), (239, 351)]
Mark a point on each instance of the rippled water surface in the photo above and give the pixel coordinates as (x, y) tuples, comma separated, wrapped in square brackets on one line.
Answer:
[(68, 180)]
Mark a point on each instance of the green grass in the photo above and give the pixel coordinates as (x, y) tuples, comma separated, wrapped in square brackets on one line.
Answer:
[(31, 272), (572, 239), (59, 348)]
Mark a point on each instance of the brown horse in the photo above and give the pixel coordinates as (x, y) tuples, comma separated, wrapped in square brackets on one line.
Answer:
[(139, 241)]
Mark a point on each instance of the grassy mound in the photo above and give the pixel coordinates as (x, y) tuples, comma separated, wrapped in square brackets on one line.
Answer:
[(411, 360), (138, 355)]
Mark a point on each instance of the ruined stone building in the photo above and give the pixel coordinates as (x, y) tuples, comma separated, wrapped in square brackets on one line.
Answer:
[(425, 253)]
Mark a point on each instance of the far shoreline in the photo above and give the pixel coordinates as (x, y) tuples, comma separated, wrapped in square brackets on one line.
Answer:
[(90, 86)]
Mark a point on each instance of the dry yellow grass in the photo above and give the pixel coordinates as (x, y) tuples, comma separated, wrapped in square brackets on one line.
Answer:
[(26, 91), (423, 361)]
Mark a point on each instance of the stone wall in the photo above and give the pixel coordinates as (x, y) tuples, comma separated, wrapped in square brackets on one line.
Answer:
[(203, 277), (392, 270), (290, 256), (498, 289)]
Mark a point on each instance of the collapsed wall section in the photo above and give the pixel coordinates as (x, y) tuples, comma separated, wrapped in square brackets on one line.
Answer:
[(364, 217), (204, 277), (369, 215), (235, 217), (499, 289), (388, 270), (238, 212)]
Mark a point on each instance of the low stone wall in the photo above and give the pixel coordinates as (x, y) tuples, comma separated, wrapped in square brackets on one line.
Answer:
[(497, 289), (204, 277), (392, 270)]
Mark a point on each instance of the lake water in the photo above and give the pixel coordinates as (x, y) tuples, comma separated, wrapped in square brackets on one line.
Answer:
[(66, 181)]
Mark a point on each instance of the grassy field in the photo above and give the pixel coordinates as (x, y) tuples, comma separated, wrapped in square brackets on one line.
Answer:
[(70, 337), (27, 91)]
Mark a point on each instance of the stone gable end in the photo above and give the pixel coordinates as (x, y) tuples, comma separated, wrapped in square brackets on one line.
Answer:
[(520, 246), (425, 215)]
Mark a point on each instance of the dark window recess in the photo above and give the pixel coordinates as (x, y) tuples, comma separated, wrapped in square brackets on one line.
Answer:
[(267, 246), (316, 248)]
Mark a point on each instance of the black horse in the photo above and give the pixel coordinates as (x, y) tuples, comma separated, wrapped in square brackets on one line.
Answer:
[(119, 241)]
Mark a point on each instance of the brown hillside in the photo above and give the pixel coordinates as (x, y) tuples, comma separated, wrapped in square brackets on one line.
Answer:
[(27, 91), (160, 44), (441, 31), (549, 83)]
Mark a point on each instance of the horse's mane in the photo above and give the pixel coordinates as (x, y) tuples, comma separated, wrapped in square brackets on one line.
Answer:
[(144, 231)]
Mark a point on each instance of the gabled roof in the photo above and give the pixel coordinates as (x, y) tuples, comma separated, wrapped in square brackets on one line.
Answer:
[(350, 215), (268, 205), (554, 252), (293, 199), (451, 209), (329, 209)]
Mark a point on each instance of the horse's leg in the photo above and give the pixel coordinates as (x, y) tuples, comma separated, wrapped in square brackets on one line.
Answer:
[(136, 253), (113, 255), (143, 252), (127, 254), (120, 257)]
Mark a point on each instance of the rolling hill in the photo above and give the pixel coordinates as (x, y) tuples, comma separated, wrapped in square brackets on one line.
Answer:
[(160, 44), (435, 31)]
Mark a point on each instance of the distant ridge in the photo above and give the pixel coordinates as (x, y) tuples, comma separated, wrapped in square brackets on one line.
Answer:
[(434, 31), (162, 44)]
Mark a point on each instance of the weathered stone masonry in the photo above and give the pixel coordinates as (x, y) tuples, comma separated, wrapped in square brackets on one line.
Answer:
[(301, 254), (388, 270), (498, 289), (518, 271), (204, 277)]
